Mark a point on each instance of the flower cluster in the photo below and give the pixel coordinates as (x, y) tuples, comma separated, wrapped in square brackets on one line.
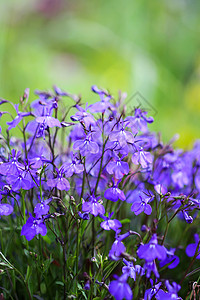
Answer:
[(90, 170)]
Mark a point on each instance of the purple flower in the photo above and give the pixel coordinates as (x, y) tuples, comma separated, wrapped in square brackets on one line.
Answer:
[(141, 205), (75, 166), (84, 216), (143, 158), (59, 182), (42, 208), (132, 270), (114, 193), (151, 267), (5, 209), (120, 289), (19, 181), (171, 294), (139, 121), (118, 167), (83, 116), (103, 104), (152, 291), (171, 258), (12, 167), (32, 227), (152, 250), (18, 118), (191, 248), (118, 247), (109, 224), (93, 206), (86, 146), (122, 136), (46, 119)]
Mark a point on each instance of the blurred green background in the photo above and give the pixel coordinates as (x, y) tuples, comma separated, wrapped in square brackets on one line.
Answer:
[(152, 47)]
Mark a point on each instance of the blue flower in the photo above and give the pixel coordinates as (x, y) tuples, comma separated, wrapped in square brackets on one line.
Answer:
[(32, 227), (152, 250), (120, 289)]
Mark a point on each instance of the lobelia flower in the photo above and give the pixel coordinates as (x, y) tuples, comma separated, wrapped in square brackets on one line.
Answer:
[(46, 119), (109, 224), (22, 180), (132, 270), (139, 121), (5, 209), (12, 167), (152, 250), (75, 166), (187, 218), (150, 293), (191, 248), (121, 136), (32, 227), (83, 116), (141, 204), (93, 206), (114, 193), (84, 216), (86, 146), (171, 294), (18, 118), (120, 289), (171, 258), (59, 182), (143, 158), (42, 208), (118, 167), (118, 247), (151, 267), (103, 104)]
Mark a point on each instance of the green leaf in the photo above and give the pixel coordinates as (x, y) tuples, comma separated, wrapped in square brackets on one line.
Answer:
[(124, 221)]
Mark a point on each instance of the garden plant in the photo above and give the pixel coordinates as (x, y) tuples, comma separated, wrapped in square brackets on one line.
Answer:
[(93, 204)]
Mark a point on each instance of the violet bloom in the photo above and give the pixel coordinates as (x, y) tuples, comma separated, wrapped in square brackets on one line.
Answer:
[(118, 167), (32, 227), (118, 247), (47, 120), (59, 182), (142, 157), (170, 258), (120, 289), (12, 167), (132, 270), (151, 267), (83, 116), (42, 208), (103, 104), (141, 205), (139, 121), (152, 291), (18, 118), (114, 193), (75, 166), (109, 224), (93, 206), (172, 293), (180, 178), (86, 146), (191, 248), (19, 181), (5, 209), (188, 219), (84, 216), (152, 250), (122, 136)]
